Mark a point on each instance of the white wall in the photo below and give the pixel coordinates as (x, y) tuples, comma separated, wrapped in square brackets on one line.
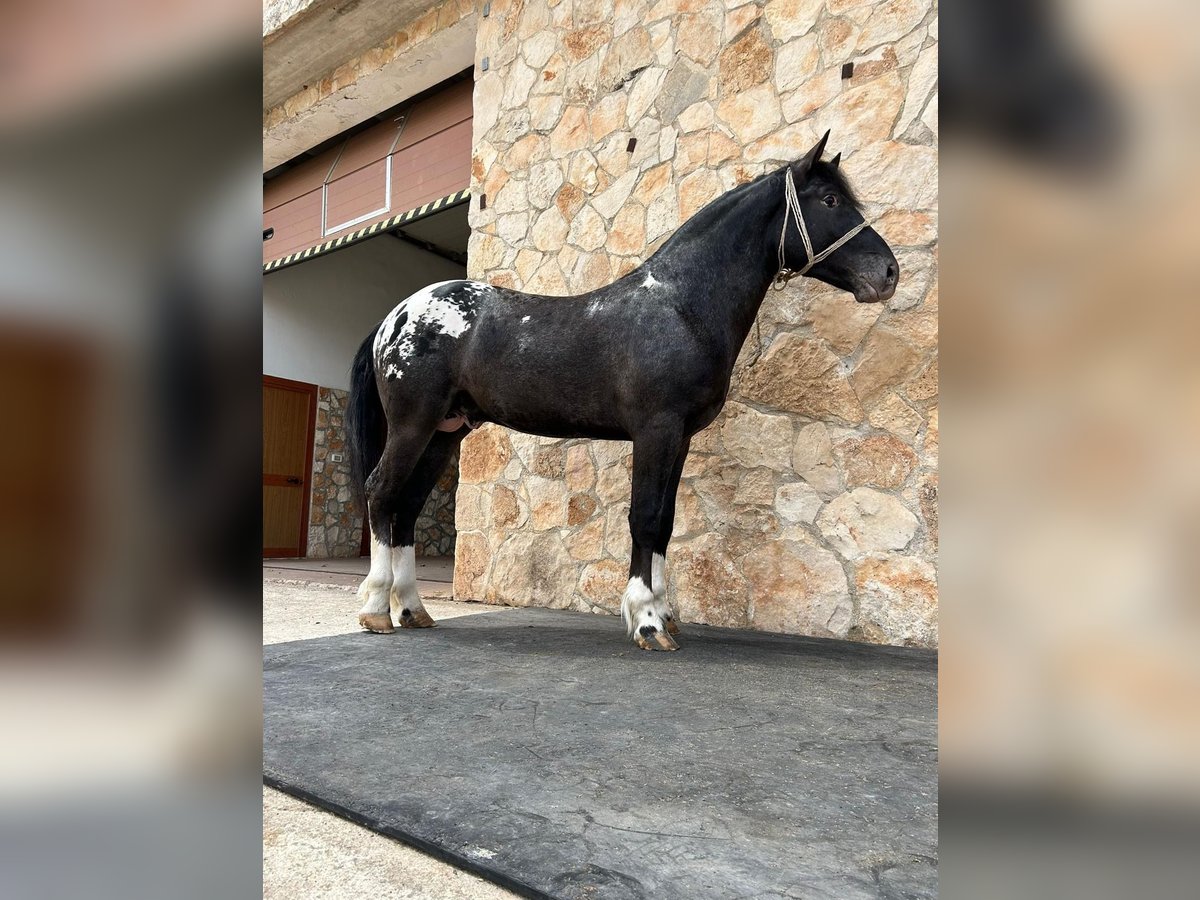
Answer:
[(316, 313)]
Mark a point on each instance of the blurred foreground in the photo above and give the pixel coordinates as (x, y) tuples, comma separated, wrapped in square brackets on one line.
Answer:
[(129, 368), (1070, 491)]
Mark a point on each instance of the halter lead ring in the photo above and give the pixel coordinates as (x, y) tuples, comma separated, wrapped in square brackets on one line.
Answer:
[(791, 207)]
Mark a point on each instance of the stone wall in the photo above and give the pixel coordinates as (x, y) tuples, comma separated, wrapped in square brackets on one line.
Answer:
[(334, 522), (809, 506)]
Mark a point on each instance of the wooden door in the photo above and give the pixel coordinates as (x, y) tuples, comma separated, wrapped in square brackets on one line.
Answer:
[(289, 418)]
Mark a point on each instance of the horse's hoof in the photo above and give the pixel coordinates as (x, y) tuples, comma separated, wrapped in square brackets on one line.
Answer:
[(417, 619), (672, 626), (655, 640), (379, 623)]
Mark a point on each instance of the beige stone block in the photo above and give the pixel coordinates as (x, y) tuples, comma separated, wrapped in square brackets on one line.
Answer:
[(484, 454), (798, 588), (895, 174), (797, 502), (927, 494), (538, 49), (897, 601), (812, 459), (530, 149), (929, 449), (886, 360), (662, 214), (587, 229), (813, 95), (583, 42), (907, 228), (608, 115), (691, 152), (547, 502), (803, 376), (571, 133), (890, 21), (894, 415), (705, 583), (837, 38), (580, 472), (756, 439), (506, 509), (550, 230), (925, 386), (840, 320), (629, 51), (628, 232), (796, 62), (613, 198), (643, 93), (698, 35), (740, 19), (751, 113), (745, 62), (545, 178), (569, 200), (603, 582), (697, 117), (587, 543), (792, 18), (865, 521), (863, 113), (696, 191), (878, 460), (785, 145), (472, 556)]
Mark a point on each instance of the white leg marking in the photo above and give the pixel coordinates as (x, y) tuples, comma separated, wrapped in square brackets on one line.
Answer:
[(404, 581), (658, 578), (640, 607), (378, 584)]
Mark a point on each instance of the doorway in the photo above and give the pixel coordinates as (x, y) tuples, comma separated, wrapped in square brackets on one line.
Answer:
[(289, 418)]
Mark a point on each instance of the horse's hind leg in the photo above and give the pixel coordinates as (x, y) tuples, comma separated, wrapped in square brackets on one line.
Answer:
[(406, 442), (405, 601)]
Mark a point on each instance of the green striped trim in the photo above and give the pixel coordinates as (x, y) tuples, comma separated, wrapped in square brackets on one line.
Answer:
[(369, 230)]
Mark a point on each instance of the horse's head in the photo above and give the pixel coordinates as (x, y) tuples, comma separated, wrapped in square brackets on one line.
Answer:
[(863, 264)]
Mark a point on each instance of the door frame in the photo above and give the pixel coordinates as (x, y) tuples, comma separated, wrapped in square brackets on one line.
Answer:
[(303, 387)]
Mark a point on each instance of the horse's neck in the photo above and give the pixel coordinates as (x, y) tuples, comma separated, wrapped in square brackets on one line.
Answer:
[(727, 266)]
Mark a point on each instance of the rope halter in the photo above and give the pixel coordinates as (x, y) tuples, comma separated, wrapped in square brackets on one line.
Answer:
[(791, 207)]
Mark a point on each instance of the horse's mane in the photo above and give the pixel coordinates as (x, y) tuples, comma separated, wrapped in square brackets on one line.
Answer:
[(717, 207)]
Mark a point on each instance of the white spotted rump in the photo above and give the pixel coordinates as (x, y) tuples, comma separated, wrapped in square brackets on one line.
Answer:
[(448, 315)]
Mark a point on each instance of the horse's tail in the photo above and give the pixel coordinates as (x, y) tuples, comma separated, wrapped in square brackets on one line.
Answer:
[(366, 425)]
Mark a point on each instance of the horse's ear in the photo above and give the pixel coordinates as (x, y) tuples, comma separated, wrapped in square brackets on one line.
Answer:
[(806, 162), (834, 162)]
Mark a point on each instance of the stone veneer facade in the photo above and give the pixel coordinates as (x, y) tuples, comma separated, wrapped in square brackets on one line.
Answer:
[(334, 522), (810, 505)]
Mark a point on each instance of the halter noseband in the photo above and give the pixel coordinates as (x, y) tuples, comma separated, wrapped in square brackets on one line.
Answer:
[(791, 207)]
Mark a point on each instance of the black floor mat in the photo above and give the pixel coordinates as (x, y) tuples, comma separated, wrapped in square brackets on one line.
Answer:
[(544, 751)]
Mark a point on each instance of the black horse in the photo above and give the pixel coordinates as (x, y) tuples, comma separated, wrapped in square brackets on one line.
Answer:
[(646, 359)]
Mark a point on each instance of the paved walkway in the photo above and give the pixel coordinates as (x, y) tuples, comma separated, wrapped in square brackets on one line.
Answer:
[(308, 852)]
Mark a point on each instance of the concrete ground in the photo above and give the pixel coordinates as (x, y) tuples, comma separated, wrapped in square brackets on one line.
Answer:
[(308, 852)]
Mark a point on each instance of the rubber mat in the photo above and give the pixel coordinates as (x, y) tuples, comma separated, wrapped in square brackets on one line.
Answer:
[(542, 750)]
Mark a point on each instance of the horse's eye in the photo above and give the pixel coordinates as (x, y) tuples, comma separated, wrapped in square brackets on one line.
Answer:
[(830, 200)]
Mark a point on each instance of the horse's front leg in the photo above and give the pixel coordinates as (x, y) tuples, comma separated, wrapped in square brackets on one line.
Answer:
[(658, 452), (666, 526)]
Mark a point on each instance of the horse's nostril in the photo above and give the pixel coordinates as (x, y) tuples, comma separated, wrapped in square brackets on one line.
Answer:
[(891, 272)]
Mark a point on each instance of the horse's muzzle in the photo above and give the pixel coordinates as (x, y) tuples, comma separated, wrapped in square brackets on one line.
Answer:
[(878, 282)]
